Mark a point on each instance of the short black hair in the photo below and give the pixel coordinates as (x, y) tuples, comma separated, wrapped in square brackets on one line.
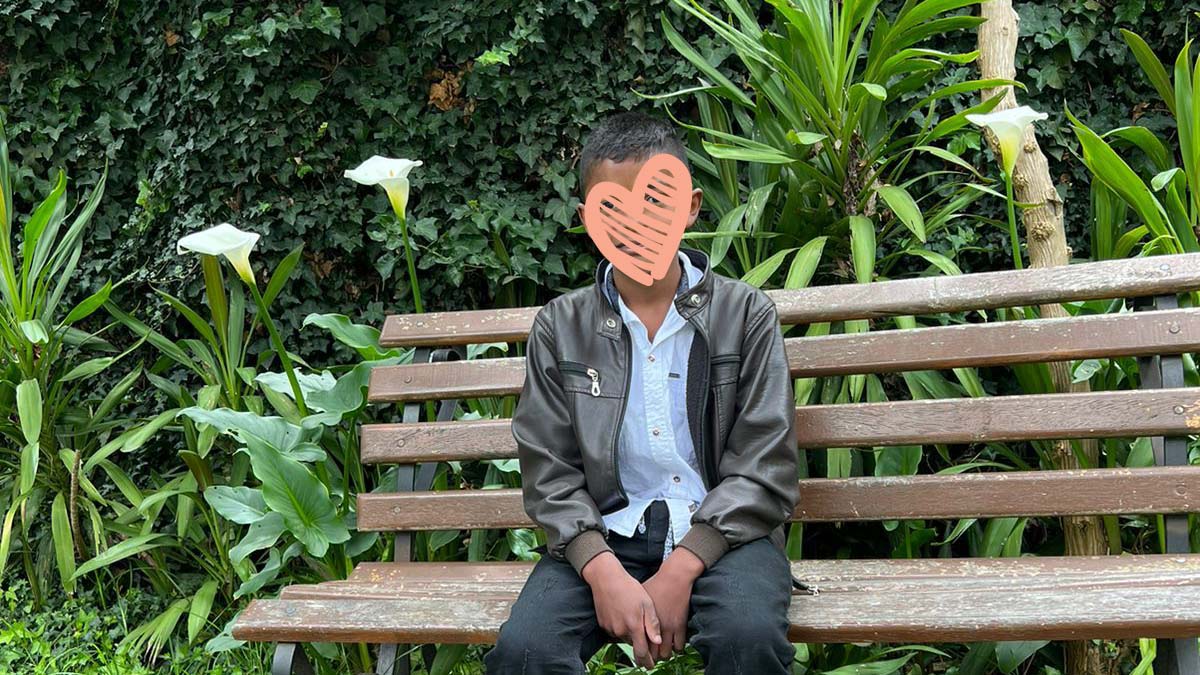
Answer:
[(628, 135)]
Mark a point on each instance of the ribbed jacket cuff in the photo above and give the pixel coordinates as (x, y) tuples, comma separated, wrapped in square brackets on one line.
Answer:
[(585, 546), (706, 542)]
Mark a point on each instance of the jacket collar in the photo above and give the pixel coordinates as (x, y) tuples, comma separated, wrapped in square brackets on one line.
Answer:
[(688, 304)]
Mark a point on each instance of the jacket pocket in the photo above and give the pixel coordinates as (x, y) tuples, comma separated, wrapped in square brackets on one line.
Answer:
[(580, 378), (724, 368)]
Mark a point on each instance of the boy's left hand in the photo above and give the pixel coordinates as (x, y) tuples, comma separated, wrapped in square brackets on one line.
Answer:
[(671, 590)]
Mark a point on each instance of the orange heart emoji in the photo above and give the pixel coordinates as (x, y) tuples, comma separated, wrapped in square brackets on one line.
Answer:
[(639, 230)]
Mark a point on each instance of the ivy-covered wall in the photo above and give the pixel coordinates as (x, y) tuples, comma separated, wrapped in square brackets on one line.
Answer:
[(250, 111)]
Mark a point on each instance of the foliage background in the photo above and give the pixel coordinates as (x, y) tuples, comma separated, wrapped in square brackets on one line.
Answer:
[(249, 112)]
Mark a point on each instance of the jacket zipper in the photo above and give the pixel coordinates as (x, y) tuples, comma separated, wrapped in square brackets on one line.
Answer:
[(628, 343), (703, 454), (594, 374)]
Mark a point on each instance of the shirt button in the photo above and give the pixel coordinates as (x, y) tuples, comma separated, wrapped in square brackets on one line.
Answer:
[(651, 358), (695, 300), (655, 431), (676, 478), (692, 507)]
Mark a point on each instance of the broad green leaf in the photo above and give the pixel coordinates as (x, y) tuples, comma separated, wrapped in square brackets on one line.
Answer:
[(1011, 654), (803, 137), (88, 368), (243, 425), (291, 490), (64, 545), (120, 551), (862, 248), (871, 89), (728, 224), (281, 275), (35, 331), (200, 607), (946, 265), (1107, 166), (805, 263), (1162, 179), (89, 305), (262, 534), (744, 154), (269, 572), (242, 505), (763, 272), (448, 656), (1153, 68), (29, 410), (876, 668), (946, 155), (30, 453), (362, 338), (1144, 139), (680, 44), (902, 204)]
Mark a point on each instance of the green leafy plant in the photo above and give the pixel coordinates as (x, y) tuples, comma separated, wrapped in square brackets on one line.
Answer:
[(843, 99), (55, 424), (1168, 204)]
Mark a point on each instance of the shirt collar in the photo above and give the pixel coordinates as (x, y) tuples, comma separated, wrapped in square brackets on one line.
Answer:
[(690, 274)]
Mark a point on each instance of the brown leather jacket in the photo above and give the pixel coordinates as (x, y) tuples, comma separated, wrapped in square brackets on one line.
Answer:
[(740, 409)]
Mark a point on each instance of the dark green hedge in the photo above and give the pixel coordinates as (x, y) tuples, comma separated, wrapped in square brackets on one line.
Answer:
[(249, 112)]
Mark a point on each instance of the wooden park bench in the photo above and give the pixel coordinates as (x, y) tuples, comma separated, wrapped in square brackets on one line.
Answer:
[(884, 600)]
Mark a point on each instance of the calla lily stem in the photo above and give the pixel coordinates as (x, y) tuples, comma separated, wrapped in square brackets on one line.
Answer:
[(412, 268), (277, 341), (1012, 222)]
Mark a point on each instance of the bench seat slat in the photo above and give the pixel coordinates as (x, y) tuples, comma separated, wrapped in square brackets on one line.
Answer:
[(946, 600), (1111, 414), (1118, 491), (925, 295), (1003, 343), (879, 575)]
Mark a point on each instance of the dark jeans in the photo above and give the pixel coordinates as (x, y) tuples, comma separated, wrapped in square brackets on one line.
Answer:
[(737, 618)]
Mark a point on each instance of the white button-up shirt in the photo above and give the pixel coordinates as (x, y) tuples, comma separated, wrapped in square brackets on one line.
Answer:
[(655, 454)]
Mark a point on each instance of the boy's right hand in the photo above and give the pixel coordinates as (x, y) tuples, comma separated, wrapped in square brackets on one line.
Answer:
[(623, 607)]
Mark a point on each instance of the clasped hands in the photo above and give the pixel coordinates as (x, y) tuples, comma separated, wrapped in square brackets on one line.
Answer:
[(650, 616)]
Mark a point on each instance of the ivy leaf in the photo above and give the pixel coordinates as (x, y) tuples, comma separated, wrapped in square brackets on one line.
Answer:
[(305, 91)]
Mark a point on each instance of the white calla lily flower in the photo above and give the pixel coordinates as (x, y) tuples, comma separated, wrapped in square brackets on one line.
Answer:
[(223, 240), (1009, 126), (390, 174)]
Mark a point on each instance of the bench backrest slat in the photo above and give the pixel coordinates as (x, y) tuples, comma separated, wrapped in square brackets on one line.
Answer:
[(926, 295), (1172, 413), (1107, 414), (1003, 343), (963, 495)]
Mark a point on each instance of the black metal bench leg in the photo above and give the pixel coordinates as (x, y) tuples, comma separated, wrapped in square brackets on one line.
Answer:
[(1174, 656), (393, 660), (1177, 657), (289, 659), (396, 659)]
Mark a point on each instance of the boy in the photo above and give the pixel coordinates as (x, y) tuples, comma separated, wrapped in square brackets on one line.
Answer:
[(657, 451)]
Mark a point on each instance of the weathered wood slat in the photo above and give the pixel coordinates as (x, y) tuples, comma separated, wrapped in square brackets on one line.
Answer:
[(960, 600), (1110, 414), (1099, 336), (827, 574), (998, 418), (940, 496), (925, 295), (499, 579), (437, 441)]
